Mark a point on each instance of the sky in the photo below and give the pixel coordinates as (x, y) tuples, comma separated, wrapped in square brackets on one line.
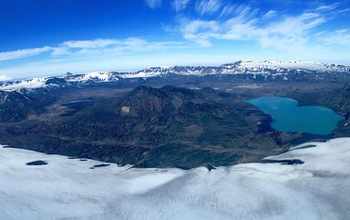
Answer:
[(42, 38)]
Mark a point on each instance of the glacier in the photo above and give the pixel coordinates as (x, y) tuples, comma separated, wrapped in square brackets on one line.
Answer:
[(69, 189)]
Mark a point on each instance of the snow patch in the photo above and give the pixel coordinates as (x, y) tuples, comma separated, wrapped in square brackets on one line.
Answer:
[(99, 76), (64, 188), (25, 84)]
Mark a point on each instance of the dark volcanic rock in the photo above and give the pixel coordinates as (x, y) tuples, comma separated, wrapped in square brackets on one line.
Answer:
[(37, 163), (15, 106), (56, 81)]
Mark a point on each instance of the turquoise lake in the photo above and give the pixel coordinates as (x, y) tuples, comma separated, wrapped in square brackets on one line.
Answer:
[(288, 116)]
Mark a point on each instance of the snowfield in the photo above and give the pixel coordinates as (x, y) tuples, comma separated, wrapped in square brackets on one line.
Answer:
[(68, 189)]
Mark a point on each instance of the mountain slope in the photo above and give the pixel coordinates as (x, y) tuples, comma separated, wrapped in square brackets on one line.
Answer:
[(16, 106), (153, 127)]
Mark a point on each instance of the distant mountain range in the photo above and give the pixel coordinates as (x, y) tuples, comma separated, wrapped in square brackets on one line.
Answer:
[(256, 70)]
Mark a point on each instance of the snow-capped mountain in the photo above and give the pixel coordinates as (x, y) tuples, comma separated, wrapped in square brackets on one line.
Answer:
[(266, 68), (93, 76), (241, 67), (282, 67), (178, 70), (25, 84)]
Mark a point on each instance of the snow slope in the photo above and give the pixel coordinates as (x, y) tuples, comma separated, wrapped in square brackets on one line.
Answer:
[(67, 188), (25, 84), (35, 83), (97, 76)]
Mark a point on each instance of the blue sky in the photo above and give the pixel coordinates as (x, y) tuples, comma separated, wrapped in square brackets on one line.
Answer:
[(41, 37)]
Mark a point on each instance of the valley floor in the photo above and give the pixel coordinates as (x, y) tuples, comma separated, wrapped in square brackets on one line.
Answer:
[(69, 189)]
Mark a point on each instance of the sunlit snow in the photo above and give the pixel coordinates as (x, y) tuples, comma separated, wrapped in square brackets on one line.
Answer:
[(68, 188), (27, 84), (100, 76)]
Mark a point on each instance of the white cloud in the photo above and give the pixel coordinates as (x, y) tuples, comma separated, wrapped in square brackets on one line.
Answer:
[(17, 54), (203, 31), (179, 5), (5, 78), (344, 10), (60, 51), (270, 14), (207, 7), (194, 29), (285, 32), (338, 37), (290, 33), (297, 24), (87, 44), (327, 7), (227, 10), (110, 45), (154, 3), (87, 47)]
